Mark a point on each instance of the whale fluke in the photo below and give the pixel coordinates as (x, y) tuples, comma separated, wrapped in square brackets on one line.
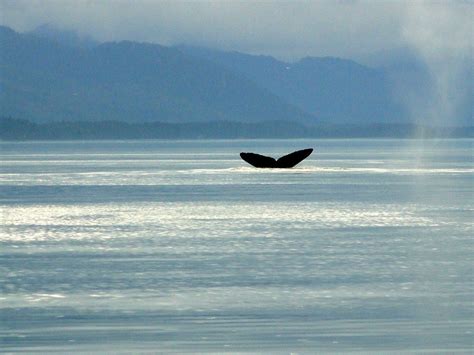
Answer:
[(286, 161)]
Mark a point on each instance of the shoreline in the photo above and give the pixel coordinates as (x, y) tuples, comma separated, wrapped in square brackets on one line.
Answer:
[(23, 130)]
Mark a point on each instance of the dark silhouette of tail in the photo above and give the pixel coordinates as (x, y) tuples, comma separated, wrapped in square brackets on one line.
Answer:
[(286, 161)]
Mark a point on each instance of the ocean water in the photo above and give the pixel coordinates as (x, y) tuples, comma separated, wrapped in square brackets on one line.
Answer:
[(179, 246)]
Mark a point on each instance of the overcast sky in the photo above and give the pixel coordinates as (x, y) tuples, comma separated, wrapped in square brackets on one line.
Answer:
[(285, 29)]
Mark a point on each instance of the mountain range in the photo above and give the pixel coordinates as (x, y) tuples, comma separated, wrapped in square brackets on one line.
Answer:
[(46, 76)]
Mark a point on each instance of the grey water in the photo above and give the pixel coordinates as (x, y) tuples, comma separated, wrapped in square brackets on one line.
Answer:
[(179, 246)]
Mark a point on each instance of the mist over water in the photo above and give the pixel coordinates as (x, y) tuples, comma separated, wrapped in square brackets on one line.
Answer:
[(181, 246), (441, 35)]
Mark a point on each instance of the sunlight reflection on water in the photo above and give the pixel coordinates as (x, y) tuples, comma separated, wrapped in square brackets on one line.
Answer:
[(143, 246)]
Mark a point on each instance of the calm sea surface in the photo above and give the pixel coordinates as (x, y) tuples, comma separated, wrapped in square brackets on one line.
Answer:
[(143, 246)]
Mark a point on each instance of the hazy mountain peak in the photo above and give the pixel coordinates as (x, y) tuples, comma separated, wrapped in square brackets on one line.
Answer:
[(5, 29), (44, 80), (64, 36), (330, 61)]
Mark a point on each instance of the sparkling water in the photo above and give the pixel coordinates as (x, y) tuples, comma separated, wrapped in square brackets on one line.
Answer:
[(144, 246)]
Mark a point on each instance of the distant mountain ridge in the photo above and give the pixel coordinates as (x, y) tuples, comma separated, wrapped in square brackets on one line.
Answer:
[(400, 88), (63, 36), (333, 89), (53, 75), (44, 80)]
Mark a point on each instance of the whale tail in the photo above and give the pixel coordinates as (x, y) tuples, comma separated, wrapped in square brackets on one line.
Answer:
[(286, 161)]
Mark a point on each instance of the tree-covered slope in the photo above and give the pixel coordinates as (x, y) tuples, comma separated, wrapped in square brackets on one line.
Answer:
[(43, 80), (334, 89)]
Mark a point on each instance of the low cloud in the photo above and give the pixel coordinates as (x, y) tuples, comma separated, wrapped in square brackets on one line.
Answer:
[(441, 34), (285, 29)]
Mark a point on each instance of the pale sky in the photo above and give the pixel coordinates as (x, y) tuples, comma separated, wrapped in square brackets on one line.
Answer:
[(285, 29)]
